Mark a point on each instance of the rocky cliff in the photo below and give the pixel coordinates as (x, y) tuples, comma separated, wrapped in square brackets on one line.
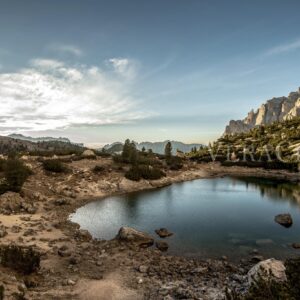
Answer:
[(276, 109)]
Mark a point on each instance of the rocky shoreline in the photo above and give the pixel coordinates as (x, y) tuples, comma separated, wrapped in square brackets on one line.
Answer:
[(75, 266)]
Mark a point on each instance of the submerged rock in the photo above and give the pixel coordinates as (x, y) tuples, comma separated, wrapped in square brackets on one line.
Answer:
[(162, 246), (131, 235), (296, 245), (267, 269), (163, 232), (284, 220)]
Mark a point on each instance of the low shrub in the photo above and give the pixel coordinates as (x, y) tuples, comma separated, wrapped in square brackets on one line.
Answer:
[(22, 259), (15, 174), (2, 164), (269, 165), (133, 174), (54, 165), (136, 173), (1, 292), (98, 169), (175, 163)]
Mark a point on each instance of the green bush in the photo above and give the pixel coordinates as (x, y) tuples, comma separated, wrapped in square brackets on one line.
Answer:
[(2, 164), (269, 165), (15, 174), (54, 165), (152, 173), (133, 174), (175, 163), (21, 259), (136, 173)]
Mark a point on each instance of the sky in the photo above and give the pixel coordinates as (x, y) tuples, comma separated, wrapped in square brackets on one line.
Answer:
[(103, 71)]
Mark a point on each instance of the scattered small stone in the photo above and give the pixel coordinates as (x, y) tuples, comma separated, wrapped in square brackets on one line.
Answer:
[(140, 280), (143, 269), (71, 282), (162, 246), (257, 258), (296, 245)]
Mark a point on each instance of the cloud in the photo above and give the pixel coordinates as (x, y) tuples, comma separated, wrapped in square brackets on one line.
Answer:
[(284, 48), (68, 49), (125, 67), (50, 94)]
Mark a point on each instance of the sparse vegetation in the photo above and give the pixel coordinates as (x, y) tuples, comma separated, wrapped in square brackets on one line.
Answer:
[(143, 171), (15, 173), (54, 165), (273, 146), (22, 259), (98, 169)]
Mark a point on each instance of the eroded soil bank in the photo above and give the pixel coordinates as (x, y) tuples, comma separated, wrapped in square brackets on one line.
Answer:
[(74, 266)]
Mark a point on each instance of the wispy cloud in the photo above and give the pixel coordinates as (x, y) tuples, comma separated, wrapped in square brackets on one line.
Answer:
[(67, 49), (284, 48), (50, 94), (125, 67)]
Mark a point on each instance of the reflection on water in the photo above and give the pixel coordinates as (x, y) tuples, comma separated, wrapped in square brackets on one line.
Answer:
[(210, 217), (276, 190)]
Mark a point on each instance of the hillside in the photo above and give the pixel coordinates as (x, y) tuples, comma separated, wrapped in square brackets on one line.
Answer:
[(274, 110), (8, 145), (38, 139), (261, 142)]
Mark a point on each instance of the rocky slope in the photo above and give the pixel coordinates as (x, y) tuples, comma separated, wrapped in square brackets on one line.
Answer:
[(276, 109)]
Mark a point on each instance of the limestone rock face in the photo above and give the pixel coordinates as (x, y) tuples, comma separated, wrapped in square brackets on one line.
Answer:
[(276, 109), (267, 269)]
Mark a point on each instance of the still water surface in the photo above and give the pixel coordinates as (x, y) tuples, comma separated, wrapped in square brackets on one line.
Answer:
[(209, 217)]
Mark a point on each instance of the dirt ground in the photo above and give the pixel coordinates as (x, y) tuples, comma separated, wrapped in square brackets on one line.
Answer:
[(74, 266)]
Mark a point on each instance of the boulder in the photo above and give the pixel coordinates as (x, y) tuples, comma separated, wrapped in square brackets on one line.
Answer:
[(284, 220), (88, 153), (163, 232), (267, 269), (162, 246), (131, 235)]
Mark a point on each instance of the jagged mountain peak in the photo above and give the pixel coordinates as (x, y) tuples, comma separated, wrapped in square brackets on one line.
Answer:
[(273, 110)]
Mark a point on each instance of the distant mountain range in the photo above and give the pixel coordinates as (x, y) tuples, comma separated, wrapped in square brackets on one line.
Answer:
[(38, 139), (276, 109), (157, 147)]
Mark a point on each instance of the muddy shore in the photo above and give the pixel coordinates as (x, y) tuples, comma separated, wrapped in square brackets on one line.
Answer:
[(75, 266)]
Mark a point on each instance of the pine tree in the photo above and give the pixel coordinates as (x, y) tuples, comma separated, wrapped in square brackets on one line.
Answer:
[(168, 151), (126, 151)]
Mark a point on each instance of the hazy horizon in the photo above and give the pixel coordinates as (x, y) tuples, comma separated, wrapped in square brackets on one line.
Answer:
[(101, 72)]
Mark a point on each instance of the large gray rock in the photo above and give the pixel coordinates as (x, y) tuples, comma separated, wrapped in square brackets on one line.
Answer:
[(267, 269), (276, 109), (284, 220), (131, 235)]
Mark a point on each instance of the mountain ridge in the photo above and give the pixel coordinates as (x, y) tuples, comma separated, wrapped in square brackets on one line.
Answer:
[(156, 147)]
